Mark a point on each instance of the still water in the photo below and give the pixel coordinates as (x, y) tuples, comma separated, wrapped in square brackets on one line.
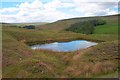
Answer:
[(65, 46)]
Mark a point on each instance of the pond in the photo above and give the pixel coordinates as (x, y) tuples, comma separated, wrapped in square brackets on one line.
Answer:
[(65, 46)]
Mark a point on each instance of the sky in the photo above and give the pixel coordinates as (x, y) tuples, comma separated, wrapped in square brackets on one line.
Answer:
[(25, 11)]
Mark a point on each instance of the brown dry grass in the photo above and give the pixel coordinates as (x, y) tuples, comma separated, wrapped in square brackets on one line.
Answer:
[(104, 67)]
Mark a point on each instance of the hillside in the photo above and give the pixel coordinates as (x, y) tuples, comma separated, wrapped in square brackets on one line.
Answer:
[(35, 23), (86, 27), (19, 61), (63, 24)]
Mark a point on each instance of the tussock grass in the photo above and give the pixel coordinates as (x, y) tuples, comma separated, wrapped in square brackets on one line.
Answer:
[(103, 67)]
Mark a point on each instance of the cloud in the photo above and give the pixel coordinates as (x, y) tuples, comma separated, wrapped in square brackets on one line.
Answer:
[(7, 18), (95, 8), (95, 1), (11, 9), (111, 12), (58, 4), (37, 11), (33, 6)]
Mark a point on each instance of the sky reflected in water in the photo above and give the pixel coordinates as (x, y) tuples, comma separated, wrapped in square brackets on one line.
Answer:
[(65, 46)]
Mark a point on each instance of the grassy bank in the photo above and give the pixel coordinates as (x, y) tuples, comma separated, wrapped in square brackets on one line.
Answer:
[(22, 62)]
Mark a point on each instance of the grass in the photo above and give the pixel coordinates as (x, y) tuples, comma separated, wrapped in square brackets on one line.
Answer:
[(107, 29), (98, 61), (19, 61)]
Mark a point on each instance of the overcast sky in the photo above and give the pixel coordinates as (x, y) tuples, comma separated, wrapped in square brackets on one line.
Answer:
[(17, 11)]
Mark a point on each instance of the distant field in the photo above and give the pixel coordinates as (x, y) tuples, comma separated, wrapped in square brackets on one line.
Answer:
[(109, 28), (36, 24)]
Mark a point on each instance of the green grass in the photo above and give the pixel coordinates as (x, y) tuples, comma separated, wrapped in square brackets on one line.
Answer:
[(110, 28)]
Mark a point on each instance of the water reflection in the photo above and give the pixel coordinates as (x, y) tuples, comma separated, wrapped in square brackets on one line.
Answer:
[(65, 46)]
